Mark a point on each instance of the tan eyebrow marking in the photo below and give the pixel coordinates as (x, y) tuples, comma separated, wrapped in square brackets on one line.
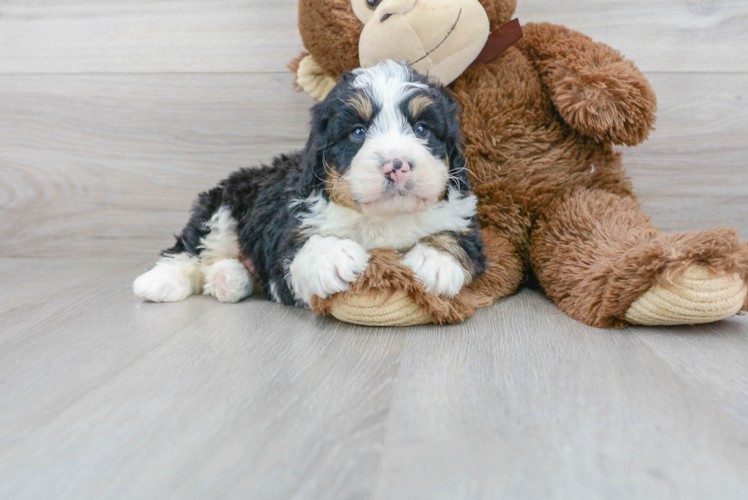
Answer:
[(418, 105), (362, 106)]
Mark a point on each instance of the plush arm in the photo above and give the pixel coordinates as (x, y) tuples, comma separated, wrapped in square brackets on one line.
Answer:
[(594, 88)]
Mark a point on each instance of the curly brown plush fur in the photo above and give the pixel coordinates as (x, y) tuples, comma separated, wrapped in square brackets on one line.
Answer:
[(539, 125)]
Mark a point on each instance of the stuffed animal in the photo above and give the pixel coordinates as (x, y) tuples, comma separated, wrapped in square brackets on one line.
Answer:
[(539, 123)]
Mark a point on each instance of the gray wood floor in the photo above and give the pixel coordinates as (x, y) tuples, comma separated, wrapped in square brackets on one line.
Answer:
[(113, 115), (103, 396)]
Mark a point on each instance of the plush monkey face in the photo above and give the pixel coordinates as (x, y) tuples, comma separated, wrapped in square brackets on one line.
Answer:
[(440, 38)]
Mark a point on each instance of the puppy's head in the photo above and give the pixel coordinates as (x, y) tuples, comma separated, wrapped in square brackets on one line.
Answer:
[(385, 140)]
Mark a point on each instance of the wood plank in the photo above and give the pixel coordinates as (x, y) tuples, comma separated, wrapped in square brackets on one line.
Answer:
[(523, 402), (667, 36), (693, 172), (141, 36), (39, 281), (195, 36), (108, 165), (103, 396), (713, 359)]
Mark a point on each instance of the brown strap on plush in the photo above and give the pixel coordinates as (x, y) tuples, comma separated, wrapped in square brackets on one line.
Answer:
[(499, 41)]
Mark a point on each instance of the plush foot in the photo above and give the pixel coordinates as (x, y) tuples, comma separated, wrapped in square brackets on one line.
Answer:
[(387, 294), (380, 308), (692, 296), (228, 281)]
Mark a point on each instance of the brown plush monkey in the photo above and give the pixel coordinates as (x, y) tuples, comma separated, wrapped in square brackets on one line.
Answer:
[(539, 122)]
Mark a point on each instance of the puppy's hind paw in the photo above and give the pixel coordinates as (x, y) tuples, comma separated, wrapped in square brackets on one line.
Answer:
[(228, 281)]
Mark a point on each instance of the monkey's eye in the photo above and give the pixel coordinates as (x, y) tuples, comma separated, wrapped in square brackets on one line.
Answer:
[(373, 3), (421, 131), (358, 134)]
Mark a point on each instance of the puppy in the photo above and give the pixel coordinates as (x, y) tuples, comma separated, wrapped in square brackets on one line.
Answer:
[(382, 169)]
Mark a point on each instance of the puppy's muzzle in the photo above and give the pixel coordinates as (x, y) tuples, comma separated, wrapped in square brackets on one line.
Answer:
[(397, 171)]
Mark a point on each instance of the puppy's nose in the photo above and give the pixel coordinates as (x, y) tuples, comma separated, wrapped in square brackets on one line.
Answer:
[(397, 170)]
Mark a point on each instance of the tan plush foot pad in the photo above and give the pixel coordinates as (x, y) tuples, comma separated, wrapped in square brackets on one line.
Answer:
[(696, 295), (376, 309)]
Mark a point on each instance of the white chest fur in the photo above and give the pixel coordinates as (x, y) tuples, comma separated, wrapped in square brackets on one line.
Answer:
[(398, 231)]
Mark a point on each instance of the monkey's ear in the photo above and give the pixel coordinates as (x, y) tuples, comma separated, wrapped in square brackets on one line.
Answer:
[(310, 77), (330, 32), (499, 12), (313, 169), (294, 64)]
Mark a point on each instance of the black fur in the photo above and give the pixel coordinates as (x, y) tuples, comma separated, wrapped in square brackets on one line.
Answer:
[(472, 243), (262, 199)]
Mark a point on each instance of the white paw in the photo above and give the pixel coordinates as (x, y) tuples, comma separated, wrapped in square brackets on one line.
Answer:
[(326, 266), (439, 272), (162, 284), (228, 281)]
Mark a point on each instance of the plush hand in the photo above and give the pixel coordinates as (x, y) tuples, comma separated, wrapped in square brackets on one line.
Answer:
[(605, 101), (593, 87)]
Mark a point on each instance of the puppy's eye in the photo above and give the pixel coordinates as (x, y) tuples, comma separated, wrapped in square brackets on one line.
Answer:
[(421, 131), (358, 134), (373, 3)]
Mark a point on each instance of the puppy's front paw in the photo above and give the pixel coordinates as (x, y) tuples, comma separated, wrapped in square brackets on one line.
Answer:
[(162, 284), (439, 272), (326, 266)]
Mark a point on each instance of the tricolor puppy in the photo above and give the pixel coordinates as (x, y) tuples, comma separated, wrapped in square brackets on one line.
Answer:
[(382, 169)]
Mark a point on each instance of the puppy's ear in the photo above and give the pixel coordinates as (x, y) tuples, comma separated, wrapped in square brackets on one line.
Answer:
[(458, 171), (313, 175)]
